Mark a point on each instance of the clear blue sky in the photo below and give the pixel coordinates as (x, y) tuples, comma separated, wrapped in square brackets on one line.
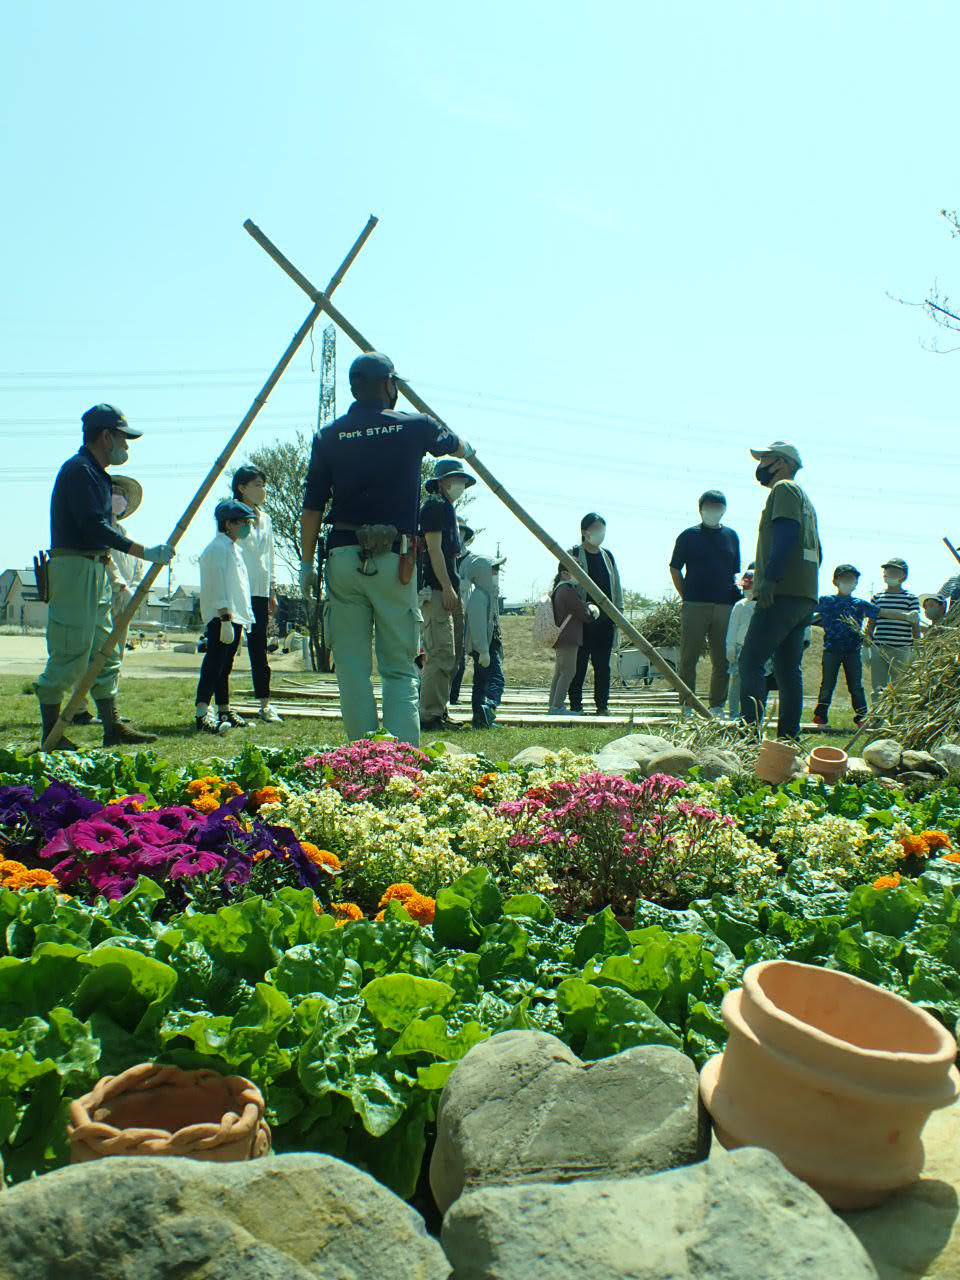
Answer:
[(619, 244)]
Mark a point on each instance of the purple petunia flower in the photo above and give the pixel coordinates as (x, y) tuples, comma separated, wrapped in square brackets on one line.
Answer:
[(197, 862)]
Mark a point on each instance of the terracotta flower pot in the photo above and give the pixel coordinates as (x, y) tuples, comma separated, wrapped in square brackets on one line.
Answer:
[(154, 1110), (834, 1075), (829, 762), (776, 761)]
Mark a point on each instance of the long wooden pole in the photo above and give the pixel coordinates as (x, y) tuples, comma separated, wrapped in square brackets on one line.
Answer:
[(585, 581), (121, 624)]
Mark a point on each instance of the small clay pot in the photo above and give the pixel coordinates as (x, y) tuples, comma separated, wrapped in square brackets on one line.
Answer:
[(155, 1110), (776, 761), (836, 1076), (829, 762)]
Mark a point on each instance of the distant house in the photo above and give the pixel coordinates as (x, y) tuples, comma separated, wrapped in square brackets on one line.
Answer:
[(20, 606), (182, 609)]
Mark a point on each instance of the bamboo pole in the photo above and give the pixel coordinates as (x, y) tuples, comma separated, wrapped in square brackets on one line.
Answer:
[(585, 581), (121, 624)]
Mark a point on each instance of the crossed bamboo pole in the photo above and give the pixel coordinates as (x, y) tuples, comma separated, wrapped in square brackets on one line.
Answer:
[(320, 301), (586, 582)]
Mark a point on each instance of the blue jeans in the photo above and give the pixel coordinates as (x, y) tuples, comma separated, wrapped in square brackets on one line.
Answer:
[(852, 663), (482, 682), (776, 634)]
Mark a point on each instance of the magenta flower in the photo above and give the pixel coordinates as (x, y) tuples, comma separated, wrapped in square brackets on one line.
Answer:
[(198, 862)]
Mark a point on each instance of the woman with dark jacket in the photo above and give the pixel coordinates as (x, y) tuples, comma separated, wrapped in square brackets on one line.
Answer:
[(570, 613)]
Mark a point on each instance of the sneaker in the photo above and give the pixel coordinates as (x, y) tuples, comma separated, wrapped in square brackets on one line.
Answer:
[(233, 719), (441, 725), (603, 711), (269, 715), (819, 719), (576, 711), (860, 721), (210, 724), (718, 713), (557, 711)]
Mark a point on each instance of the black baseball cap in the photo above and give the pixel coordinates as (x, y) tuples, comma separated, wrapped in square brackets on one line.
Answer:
[(845, 570), (106, 417), (233, 509), (591, 518), (372, 366), (714, 496), (896, 562)]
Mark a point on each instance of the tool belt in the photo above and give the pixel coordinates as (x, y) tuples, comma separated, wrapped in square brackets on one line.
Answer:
[(102, 557), (382, 539), (40, 562)]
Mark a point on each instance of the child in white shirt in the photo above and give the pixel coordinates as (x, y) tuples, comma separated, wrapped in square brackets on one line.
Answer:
[(226, 612), (250, 487)]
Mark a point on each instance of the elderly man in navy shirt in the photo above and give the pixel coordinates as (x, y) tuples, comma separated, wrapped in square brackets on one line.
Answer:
[(366, 465), (80, 594)]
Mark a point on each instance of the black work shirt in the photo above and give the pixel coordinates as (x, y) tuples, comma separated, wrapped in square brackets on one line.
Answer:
[(712, 561), (368, 463), (80, 507), (439, 515)]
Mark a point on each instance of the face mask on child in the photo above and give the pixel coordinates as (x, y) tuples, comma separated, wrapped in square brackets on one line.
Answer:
[(118, 504), (892, 578), (244, 531), (846, 585), (454, 489)]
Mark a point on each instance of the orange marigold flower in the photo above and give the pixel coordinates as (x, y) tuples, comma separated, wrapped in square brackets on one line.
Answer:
[(229, 789), (317, 911), (380, 916), (400, 892), (421, 908), (914, 846), (346, 912), (263, 795), (261, 854), (936, 840), (206, 803), (887, 882), (201, 785), (35, 879), (951, 857), (478, 792), (487, 779), (320, 857), (8, 867)]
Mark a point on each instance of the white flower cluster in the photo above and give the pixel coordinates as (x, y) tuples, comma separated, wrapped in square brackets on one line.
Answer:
[(842, 848)]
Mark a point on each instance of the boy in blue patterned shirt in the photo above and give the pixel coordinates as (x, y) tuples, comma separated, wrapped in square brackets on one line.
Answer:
[(842, 617)]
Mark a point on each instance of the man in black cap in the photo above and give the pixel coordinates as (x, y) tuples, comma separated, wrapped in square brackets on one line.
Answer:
[(785, 590), (82, 535), (704, 566), (440, 592), (367, 466), (598, 636)]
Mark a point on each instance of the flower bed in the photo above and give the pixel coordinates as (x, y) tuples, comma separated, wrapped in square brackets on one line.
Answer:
[(343, 927)]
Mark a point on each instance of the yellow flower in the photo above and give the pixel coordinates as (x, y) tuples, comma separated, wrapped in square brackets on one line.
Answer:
[(346, 912), (206, 803)]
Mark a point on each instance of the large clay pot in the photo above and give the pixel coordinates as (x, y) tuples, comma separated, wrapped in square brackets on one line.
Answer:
[(154, 1110), (829, 762), (776, 761), (834, 1075)]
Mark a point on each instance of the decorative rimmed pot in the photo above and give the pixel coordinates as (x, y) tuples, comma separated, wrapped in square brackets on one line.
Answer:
[(829, 762), (834, 1075), (776, 761), (156, 1110)]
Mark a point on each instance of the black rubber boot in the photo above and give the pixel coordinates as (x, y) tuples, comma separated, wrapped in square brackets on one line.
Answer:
[(49, 715), (115, 732)]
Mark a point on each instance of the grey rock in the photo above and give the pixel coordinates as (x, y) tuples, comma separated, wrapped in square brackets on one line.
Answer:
[(740, 1215), (715, 763), (292, 1217), (948, 754), (632, 751), (451, 748), (857, 764), (522, 1107), (535, 756), (676, 762), (916, 775), (922, 762), (883, 755)]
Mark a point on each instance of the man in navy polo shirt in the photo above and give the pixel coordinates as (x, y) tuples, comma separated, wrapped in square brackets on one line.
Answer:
[(710, 556), (82, 535), (366, 465)]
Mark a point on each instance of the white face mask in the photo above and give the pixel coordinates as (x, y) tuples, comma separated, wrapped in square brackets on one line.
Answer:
[(892, 578), (846, 586), (711, 516), (454, 489), (118, 504), (595, 535)]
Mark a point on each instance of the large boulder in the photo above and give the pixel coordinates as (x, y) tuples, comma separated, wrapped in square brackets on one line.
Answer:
[(884, 755), (677, 762), (917, 1232), (948, 755), (632, 751), (922, 762), (291, 1217), (522, 1107), (741, 1215), (535, 757), (715, 763)]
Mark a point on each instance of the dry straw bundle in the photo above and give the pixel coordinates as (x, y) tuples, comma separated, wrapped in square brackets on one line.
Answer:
[(922, 708)]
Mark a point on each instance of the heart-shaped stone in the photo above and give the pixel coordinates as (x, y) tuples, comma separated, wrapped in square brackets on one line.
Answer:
[(522, 1107)]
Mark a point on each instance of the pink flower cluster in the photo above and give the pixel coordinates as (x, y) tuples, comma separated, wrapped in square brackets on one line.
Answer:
[(610, 840), (362, 770)]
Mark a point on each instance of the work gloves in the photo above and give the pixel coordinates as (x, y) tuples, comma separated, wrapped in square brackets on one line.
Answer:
[(162, 553), (484, 658), (226, 631), (308, 579)]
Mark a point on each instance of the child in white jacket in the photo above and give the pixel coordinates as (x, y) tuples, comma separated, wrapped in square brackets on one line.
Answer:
[(226, 612), (740, 616)]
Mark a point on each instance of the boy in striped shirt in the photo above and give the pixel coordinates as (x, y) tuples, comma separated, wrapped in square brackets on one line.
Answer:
[(893, 639)]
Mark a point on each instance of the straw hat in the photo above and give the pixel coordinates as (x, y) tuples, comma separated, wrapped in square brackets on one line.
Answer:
[(131, 489)]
